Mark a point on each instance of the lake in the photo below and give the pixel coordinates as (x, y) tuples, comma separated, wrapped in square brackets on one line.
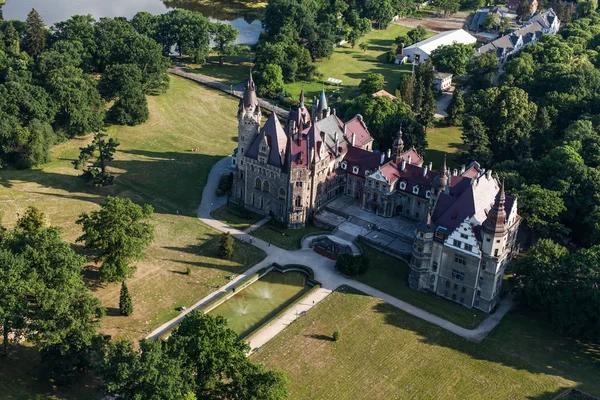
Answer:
[(245, 19)]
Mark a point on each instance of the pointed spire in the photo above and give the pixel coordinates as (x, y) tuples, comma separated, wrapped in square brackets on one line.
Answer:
[(323, 100), (496, 218), (301, 104), (250, 98)]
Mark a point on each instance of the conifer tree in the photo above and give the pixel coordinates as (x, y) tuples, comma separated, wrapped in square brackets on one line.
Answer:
[(226, 246), (456, 109), (125, 301), (37, 34)]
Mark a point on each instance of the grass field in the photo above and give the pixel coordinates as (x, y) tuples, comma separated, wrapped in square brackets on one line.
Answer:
[(285, 238), (154, 164), (236, 216), (444, 140), (384, 353), (390, 275)]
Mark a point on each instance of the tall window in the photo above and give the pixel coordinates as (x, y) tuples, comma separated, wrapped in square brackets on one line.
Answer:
[(258, 184), (459, 275), (460, 259), (282, 193), (298, 201), (265, 186)]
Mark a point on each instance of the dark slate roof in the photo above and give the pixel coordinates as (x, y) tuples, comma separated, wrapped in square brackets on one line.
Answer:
[(364, 159), (276, 139)]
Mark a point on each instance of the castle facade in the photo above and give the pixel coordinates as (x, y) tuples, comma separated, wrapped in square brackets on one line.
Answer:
[(465, 226)]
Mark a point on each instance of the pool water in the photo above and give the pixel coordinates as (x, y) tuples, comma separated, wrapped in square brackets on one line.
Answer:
[(254, 305)]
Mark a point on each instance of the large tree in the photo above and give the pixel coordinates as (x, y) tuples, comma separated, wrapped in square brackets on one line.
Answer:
[(371, 84), (118, 233), (94, 158), (452, 58), (124, 83), (424, 99), (541, 209), (223, 35), (37, 34)]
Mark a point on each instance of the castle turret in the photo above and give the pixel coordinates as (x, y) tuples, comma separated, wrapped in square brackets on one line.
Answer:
[(418, 278), (397, 147), (249, 118), (494, 227)]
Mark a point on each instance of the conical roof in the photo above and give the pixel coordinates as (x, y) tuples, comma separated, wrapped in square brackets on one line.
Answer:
[(250, 98), (496, 218), (323, 101)]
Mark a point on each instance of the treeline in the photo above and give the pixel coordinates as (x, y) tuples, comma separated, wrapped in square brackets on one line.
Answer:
[(56, 83), (297, 33), (540, 130)]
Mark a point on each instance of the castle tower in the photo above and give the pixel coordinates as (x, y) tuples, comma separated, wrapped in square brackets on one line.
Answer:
[(249, 117), (494, 227), (418, 277), (398, 147)]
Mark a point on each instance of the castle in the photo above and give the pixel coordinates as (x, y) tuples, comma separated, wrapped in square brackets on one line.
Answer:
[(465, 226)]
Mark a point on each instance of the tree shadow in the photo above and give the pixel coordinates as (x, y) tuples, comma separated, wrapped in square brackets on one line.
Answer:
[(320, 337), (113, 312), (536, 348)]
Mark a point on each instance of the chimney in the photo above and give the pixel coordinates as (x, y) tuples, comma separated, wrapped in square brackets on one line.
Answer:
[(389, 153), (403, 165), (353, 138), (488, 173), (462, 169), (337, 146), (409, 158), (430, 166), (424, 171), (334, 112), (345, 134), (454, 172), (382, 158)]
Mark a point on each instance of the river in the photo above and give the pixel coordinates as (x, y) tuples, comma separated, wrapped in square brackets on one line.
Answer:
[(245, 19)]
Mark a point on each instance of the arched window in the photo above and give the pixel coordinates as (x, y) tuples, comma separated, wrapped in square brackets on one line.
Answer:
[(265, 186), (282, 193), (416, 189), (402, 185), (258, 184), (298, 201)]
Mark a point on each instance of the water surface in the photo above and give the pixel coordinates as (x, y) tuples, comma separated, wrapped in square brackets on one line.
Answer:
[(253, 306), (245, 19)]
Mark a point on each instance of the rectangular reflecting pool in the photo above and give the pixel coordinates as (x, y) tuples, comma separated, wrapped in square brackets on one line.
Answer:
[(263, 299)]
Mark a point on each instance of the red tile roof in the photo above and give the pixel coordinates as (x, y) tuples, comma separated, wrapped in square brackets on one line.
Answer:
[(357, 127)]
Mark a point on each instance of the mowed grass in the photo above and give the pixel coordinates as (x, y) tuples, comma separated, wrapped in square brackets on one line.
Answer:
[(289, 239), (384, 353), (444, 140), (352, 65), (154, 164), (236, 216), (390, 275)]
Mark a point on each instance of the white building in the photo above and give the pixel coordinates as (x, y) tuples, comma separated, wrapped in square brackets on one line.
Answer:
[(421, 51)]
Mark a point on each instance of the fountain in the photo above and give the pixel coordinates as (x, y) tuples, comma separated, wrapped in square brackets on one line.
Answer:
[(253, 306)]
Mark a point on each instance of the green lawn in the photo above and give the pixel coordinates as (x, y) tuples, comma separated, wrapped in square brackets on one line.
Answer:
[(444, 140), (390, 275), (352, 65), (285, 238), (236, 216), (233, 71), (384, 353), (153, 164)]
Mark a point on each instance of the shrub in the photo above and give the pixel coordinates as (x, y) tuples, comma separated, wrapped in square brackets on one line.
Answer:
[(352, 265), (188, 271), (336, 335), (226, 246)]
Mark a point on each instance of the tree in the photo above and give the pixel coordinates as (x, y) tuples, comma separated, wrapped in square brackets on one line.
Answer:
[(456, 109), (226, 246), (482, 70), (125, 301), (118, 233), (336, 335), (380, 11), (188, 31), (585, 8), (416, 35), (101, 151), (371, 84), (524, 10), (223, 35), (492, 21), (270, 81), (37, 34), (446, 7), (363, 46), (424, 99), (541, 209), (452, 58), (352, 265), (476, 137), (406, 89), (13, 297), (124, 82)]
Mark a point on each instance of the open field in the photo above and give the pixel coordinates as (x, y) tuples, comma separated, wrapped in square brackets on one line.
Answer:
[(444, 140), (390, 275), (154, 164), (384, 353), (285, 238)]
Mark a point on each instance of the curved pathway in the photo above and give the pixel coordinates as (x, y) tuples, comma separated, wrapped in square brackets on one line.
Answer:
[(324, 272)]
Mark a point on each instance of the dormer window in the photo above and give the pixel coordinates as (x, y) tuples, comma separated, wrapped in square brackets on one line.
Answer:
[(344, 164), (416, 190), (402, 185), (355, 169), (428, 194)]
